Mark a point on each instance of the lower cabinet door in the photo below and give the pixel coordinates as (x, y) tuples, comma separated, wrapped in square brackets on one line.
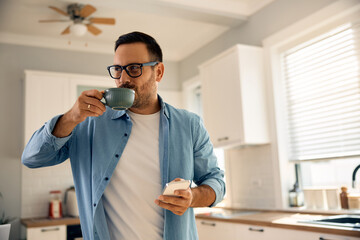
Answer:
[(47, 233), (215, 230)]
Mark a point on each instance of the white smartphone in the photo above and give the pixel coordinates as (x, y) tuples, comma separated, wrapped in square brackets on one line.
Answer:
[(178, 185)]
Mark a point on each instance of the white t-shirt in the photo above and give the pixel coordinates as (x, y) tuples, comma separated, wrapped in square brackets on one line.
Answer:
[(136, 182)]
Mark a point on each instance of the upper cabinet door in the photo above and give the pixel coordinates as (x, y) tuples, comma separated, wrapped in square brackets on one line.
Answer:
[(46, 96), (234, 97)]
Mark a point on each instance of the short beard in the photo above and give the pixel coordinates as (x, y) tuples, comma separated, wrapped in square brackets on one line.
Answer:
[(142, 101)]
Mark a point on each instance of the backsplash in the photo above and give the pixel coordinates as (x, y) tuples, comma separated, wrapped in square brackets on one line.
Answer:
[(251, 177), (36, 185)]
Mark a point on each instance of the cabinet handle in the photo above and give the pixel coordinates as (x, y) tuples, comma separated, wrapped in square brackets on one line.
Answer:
[(321, 238), (50, 229), (223, 139), (256, 230), (208, 224)]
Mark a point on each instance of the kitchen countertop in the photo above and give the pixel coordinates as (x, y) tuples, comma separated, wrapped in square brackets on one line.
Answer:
[(269, 218), (278, 218), (46, 222)]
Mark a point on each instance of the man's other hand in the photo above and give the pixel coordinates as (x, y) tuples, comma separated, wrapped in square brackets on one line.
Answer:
[(177, 204)]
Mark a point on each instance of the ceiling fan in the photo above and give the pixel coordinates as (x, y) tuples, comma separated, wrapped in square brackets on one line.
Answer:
[(79, 14)]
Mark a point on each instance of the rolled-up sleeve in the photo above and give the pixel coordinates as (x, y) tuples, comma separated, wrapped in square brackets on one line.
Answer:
[(206, 167), (44, 149)]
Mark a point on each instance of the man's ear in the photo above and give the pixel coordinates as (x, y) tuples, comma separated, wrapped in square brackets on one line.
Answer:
[(159, 72)]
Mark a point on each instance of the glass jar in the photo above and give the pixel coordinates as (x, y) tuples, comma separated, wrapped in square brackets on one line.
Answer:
[(296, 197)]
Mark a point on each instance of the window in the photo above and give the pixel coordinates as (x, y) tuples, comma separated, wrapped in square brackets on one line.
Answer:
[(198, 101), (322, 88), (322, 79), (81, 88)]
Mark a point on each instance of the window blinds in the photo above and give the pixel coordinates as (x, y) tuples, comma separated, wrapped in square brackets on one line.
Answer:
[(322, 81)]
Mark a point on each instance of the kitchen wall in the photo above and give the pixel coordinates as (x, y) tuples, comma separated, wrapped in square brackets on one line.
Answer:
[(251, 182), (251, 175), (14, 59), (272, 18)]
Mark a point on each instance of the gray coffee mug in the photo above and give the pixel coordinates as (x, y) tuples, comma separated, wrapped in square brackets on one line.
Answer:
[(119, 98)]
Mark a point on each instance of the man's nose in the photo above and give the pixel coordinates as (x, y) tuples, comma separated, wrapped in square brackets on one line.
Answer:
[(124, 77)]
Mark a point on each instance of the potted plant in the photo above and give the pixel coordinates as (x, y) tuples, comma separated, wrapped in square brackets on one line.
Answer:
[(4, 223)]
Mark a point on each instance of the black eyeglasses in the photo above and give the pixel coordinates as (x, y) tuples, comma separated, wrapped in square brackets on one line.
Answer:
[(134, 70)]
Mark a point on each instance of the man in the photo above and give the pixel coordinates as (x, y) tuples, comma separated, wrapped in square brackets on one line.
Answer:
[(121, 160)]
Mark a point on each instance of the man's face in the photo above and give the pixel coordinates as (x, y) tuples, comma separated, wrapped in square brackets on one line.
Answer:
[(145, 86)]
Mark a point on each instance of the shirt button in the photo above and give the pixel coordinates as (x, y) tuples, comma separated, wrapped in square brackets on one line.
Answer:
[(106, 178), (117, 155), (94, 204), (125, 134)]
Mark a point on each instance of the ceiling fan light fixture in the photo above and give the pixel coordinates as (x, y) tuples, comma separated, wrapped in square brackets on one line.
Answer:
[(82, 23), (79, 29)]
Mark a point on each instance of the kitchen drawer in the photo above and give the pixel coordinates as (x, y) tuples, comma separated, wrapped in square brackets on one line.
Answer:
[(214, 230), (46, 233)]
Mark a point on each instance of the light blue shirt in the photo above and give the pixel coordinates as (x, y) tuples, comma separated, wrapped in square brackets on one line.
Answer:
[(95, 147)]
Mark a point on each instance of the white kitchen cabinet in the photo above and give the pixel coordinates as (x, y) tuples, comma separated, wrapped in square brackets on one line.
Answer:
[(46, 233), (45, 97), (214, 230), (48, 94), (233, 95)]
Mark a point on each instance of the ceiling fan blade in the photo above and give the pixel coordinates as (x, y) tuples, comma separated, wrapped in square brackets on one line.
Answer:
[(110, 21), (55, 20), (59, 10), (66, 31), (87, 10), (94, 30)]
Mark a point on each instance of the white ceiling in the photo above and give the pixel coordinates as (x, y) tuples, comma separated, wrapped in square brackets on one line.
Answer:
[(180, 26)]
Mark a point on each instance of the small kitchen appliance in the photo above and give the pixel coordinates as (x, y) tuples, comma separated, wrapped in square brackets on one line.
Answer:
[(71, 203)]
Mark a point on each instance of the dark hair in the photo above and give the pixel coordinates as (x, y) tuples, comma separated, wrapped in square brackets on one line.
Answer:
[(151, 44)]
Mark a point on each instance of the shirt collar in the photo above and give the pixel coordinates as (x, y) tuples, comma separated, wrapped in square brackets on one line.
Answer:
[(118, 114)]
